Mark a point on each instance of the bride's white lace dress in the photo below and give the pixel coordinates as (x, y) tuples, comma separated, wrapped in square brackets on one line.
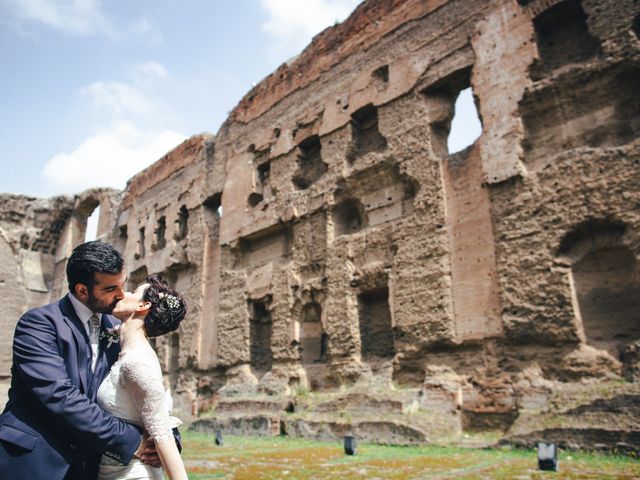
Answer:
[(134, 391)]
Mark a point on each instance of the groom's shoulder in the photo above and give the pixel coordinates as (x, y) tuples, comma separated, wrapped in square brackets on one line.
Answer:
[(54, 308)]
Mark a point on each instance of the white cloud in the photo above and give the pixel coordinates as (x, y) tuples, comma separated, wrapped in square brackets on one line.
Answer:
[(77, 17), (145, 72), (143, 29), (119, 99), (131, 142), (109, 158), (293, 23)]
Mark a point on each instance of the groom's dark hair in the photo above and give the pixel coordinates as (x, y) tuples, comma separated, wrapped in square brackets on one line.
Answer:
[(90, 258)]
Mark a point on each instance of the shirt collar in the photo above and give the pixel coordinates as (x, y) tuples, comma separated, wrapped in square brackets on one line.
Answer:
[(83, 312)]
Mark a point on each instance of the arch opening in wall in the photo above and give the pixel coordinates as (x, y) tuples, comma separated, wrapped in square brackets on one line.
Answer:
[(182, 223), (349, 217), (606, 286), (454, 118), (159, 240), (309, 161), (365, 134), (262, 177), (140, 244), (86, 219), (380, 77), (376, 331), (466, 127), (313, 340), (260, 329), (562, 37), (91, 232), (635, 26), (213, 204)]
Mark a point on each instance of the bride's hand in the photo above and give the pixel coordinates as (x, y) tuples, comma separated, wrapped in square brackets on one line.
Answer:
[(147, 452)]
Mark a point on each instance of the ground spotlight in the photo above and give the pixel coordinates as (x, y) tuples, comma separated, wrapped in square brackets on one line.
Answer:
[(547, 456), (219, 440), (349, 445)]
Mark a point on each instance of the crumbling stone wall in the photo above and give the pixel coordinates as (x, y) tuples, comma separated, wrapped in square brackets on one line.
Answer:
[(346, 273), (30, 230), (36, 238)]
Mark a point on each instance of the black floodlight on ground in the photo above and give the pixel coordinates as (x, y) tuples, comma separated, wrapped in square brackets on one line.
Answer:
[(219, 440), (349, 445), (547, 456)]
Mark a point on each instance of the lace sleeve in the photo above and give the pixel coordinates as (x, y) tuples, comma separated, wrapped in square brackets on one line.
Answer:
[(142, 378)]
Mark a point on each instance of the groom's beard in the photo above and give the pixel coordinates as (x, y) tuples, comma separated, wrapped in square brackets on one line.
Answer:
[(98, 306)]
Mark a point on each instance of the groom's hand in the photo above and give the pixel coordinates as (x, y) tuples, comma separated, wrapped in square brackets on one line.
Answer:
[(147, 452)]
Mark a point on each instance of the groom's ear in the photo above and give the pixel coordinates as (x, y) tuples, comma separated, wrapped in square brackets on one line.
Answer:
[(81, 292)]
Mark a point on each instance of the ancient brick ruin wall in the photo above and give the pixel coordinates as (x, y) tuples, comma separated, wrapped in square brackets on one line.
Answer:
[(30, 231), (36, 238), (326, 238)]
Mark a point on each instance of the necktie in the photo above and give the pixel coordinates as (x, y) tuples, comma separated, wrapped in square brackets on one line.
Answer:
[(94, 328), (94, 338)]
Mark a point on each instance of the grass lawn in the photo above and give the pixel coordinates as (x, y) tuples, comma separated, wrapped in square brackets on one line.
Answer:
[(290, 458)]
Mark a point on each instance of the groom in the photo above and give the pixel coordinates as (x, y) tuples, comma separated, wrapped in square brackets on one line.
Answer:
[(51, 427)]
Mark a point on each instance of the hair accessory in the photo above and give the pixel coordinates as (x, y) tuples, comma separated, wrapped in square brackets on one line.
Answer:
[(170, 301)]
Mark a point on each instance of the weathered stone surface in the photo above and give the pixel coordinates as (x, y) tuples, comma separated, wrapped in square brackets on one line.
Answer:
[(259, 425), (30, 230), (380, 432), (339, 262)]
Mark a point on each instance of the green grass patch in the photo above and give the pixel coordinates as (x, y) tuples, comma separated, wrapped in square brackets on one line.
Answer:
[(292, 458)]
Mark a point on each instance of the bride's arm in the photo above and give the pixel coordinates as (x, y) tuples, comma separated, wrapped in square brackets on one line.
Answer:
[(171, 460), (143, 379)]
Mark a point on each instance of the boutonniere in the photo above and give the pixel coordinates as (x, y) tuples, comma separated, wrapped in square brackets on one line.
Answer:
[(111, 335)]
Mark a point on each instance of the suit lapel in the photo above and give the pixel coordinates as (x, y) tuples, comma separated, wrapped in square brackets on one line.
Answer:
[(81, 339)]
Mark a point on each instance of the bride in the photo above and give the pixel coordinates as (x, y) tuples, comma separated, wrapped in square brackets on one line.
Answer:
[(134, 390)]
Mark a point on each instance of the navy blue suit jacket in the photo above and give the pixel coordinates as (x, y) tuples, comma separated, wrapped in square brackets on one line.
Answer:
[(51, 420)]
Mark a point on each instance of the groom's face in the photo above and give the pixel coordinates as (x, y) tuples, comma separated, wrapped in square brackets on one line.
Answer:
[(106, 292)]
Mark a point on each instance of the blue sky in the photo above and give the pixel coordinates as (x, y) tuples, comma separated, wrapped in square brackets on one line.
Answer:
[(94, 91)]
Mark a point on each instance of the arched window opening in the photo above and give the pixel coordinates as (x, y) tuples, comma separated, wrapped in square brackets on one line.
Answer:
[(160, 231), (182, 223), (262, 176), (376, 332), (91, 233), (260, 327), (349, 217), (606, 285), (454, 119), (309, 161), (214, 204), (563, 37), (365, 134), (140, 248), (312, 336), (465, 125), (608, 295)]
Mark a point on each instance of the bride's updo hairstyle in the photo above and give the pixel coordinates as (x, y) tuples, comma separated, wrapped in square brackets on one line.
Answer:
[(168, 308)]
